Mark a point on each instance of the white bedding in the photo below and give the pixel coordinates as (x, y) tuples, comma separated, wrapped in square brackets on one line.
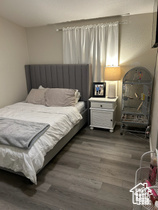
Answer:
[(80, 106), (28, 162)]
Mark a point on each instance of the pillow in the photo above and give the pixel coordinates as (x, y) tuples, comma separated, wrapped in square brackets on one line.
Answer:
[(77, 93), (36, 96), (60, 97), (41, 87), (77, 96)]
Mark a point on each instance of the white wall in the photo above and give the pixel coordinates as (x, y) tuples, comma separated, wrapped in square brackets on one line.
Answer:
[(154, 116), (135, 45), (45, 44), (13, 57)]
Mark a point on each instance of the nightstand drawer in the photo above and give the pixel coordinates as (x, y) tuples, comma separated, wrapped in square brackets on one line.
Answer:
[(102, 105), (101, 118)]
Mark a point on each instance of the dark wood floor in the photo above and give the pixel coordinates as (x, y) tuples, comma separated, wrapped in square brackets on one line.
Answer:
[(95, 171)]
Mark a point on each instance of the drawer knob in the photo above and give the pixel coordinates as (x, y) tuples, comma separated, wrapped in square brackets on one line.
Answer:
[(100, 105), (111, 120)]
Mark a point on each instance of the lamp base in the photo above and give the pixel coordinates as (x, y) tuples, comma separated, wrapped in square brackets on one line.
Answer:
[(111, 97), (112, 90)]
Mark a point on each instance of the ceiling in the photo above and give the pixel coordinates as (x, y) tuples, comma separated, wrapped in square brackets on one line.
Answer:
[(31, 13)]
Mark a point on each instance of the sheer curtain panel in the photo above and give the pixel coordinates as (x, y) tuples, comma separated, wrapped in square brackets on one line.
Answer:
[(94, 44)]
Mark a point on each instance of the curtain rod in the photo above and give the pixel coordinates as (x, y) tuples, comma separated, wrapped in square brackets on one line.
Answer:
[(90, 26), (120, 22)]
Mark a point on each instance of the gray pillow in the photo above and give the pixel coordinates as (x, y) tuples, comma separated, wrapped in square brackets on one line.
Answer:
[(36, 96), (60, 97)]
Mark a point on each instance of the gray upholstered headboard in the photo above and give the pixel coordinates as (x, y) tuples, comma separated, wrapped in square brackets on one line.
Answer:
[(61, 76)]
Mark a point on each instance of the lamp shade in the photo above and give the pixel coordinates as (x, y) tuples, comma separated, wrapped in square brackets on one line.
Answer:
[(112, 73)]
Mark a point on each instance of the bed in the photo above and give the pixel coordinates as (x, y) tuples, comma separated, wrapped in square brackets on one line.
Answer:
[(50, 76)]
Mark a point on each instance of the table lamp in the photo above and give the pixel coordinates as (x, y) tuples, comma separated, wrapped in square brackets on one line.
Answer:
[(112, 74)]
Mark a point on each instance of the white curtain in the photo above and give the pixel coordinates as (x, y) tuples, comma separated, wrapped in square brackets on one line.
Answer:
[(94, 44)]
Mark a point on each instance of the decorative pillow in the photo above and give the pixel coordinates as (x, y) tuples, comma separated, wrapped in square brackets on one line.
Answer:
[(77, 93), (60, 97), (36, 96)]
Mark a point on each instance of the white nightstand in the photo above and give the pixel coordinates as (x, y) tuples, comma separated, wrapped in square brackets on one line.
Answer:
[(103, 113)]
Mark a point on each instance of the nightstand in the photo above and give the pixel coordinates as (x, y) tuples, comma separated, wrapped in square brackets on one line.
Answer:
[(103, 113)]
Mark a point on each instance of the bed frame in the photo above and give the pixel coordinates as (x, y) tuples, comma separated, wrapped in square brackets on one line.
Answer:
[(62, 76)]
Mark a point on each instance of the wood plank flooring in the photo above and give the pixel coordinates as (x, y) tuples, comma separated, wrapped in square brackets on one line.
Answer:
[(94, 171)]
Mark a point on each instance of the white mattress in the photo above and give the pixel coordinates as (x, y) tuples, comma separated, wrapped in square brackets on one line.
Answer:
[(80, 106), (61, 121)]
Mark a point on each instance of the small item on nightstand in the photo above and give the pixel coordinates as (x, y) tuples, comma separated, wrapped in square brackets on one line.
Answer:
[(153, 171)]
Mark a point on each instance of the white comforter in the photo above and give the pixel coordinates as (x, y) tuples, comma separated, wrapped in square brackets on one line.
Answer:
[(28, 162)]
